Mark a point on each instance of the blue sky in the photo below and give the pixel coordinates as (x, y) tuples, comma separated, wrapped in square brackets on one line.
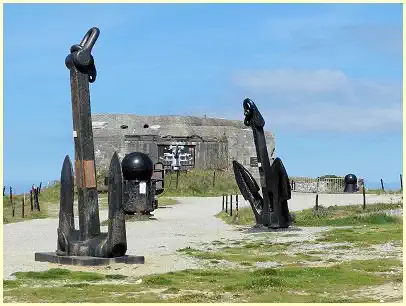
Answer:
[(327, 78)]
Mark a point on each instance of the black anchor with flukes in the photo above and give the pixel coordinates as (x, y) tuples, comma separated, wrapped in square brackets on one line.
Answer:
[(270, 209), (132, 183)]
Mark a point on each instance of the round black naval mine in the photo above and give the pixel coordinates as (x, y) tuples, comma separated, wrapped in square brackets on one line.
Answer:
[(350, 179), (137, 166)]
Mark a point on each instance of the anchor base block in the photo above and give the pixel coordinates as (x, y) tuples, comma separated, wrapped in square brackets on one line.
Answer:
[(87, 260)]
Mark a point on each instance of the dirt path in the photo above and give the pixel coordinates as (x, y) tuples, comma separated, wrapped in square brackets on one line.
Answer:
[(185, 224), (190, 223)]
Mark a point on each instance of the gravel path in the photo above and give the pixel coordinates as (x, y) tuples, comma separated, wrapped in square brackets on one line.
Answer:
[(190, 223)]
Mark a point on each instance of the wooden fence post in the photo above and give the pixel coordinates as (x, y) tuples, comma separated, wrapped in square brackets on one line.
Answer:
[(383, 189), (32, 207), (177, 178), (36, 199), (231, 205), (222, 206), (364, 203), (317, 194), (236, 205), (214, 178), (401, 182), (226, 202), (22, 207), (11, 202)]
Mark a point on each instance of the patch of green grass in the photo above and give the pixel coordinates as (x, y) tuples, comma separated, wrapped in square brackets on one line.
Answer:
[(307, 219), (373, 265), (245, 216), (320, 284), (115, 276), (10, 284), (77, 285), (380, 191), (58, 274), (308, 257), (315, 252), (198, 182), (331, 216), (275, 283), (79, 293), (363, 236), (158, 280), (164, 201), (249, 253), (218, 242)]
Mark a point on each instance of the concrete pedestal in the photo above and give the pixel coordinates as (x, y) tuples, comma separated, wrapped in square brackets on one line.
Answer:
[(87, 260)]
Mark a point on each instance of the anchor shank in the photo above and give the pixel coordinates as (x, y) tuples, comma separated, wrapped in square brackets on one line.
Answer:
[(85, 169), (264, 168)]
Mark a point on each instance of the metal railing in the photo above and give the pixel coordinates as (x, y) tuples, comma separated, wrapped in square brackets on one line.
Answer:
[(318, 185)]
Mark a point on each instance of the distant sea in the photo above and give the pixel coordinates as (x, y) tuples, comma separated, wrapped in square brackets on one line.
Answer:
[(387, 185)]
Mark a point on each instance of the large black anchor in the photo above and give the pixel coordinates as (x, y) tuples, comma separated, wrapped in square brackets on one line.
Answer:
[(271, 209), (88, 245)]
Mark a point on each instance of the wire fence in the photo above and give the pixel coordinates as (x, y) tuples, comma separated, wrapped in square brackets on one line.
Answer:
[(10, 201)]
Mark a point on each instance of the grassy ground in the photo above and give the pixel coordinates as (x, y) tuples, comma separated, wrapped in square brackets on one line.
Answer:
[(48, 199), (293, 282), (162, 201), (360, 263), (366, 235), (337, 283), (331, 216), (380, 191)]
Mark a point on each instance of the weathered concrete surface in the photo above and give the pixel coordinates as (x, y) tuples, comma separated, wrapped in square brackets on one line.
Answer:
[(217, 141)]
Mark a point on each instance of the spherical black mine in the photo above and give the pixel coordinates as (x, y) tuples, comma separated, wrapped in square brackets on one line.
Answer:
[(350, 179), (137, 166)]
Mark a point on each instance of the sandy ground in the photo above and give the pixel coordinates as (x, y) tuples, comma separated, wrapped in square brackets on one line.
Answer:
[(191, 223)]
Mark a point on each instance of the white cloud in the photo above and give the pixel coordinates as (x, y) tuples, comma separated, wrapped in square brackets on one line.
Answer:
[(299, 81), (322, 100)]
